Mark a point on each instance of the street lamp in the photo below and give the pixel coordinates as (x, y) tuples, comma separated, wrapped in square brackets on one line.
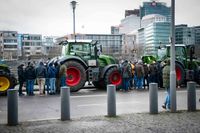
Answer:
[(73, 3), (172, 61)]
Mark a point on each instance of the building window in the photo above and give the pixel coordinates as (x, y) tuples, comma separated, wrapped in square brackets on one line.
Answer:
[(27, 48), (38, 48), (10, 46)]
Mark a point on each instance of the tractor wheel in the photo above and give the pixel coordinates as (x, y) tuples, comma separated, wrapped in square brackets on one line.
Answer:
[(5, 82), (76, 75), (114, 77), (180, 74)]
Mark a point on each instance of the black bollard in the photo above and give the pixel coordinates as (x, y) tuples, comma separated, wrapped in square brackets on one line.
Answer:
[(153, 98), (65, 103), (111, 101), (12, 115), (191, 89)]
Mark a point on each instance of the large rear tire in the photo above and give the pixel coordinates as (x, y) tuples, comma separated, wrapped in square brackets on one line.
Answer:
[(6, 82), (76, 75), (114, 77), (180, 74)]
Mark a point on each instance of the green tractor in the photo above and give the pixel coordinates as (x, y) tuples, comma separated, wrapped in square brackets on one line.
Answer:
[(7, 80), (85, 63), (186, 64)]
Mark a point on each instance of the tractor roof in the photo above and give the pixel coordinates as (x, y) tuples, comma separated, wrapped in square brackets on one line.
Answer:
[(80, 41), (180, 45)]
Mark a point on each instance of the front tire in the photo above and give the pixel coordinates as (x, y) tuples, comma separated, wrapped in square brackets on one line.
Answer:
[(76, 75), (114, 77), (5, 82)]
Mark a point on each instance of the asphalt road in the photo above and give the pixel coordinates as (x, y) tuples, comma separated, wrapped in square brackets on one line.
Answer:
[(88, 102)]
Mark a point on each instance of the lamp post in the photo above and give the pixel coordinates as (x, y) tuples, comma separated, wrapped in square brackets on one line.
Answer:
[(73, 3), (172, 61)]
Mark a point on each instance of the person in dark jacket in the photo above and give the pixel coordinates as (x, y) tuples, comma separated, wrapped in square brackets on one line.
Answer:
[(57, 66), (21, 78), (52, 78), (126, 74), (146, 76), (152, 72), (30, 78), (41, 73), (166, 84), (139, 72), (63, 75)]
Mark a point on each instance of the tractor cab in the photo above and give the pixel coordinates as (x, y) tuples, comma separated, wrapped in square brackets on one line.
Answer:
[(85, 49)]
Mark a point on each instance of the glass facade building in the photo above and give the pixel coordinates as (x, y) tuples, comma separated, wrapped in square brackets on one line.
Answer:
[(197, 34), (155, 8), (153, 36), (184, 35), (111, 43), (156, 34)]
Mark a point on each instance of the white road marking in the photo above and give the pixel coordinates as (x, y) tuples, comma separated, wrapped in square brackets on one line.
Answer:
[(104, 104), (86, 96)]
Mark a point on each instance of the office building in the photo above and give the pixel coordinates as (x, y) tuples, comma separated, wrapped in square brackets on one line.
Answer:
[(132, 12), (114, 29), (154, 7), (197, 34), (111, 43), (184, 34), (154, 33), (51, 49), (8, 45), (31, 45)]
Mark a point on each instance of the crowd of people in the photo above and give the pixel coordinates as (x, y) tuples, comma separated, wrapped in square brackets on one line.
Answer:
[(49, 77), (138, 75)]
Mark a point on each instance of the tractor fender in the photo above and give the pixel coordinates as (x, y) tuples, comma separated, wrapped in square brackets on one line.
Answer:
[(64, 59), (106, 68), (178, 62), (180, 73)]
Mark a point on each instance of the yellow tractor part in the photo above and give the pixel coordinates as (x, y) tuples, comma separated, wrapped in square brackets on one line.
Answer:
[(4, 84)]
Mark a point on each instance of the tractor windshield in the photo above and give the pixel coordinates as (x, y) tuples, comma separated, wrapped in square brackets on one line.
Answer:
[(85, 50), (180, 51)]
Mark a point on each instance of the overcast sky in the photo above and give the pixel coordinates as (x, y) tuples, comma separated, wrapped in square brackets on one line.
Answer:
[(54, 17)]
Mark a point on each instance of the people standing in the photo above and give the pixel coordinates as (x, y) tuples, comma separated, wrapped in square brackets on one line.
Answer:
[(63, 75), (21, 78), (139, 72), (30, 78), (159, 74), (57, 66), (166, 84), (146, 76), (41, 73), (47, 82), (52, 78), (131, 79), (126, 73), (152, 73)]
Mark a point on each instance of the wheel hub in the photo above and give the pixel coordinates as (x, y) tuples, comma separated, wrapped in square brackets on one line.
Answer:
[(4, 84)]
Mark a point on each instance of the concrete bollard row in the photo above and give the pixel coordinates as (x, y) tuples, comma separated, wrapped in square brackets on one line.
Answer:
[(12, 107)]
